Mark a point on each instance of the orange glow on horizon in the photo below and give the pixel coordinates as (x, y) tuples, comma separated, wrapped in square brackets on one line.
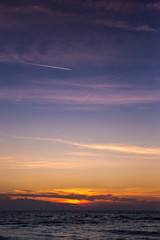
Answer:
[(89, 197)]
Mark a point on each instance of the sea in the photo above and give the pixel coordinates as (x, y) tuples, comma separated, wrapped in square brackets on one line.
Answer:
[(78, 225)]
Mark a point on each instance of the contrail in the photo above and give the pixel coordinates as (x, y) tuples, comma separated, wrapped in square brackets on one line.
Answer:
[(47, 66)]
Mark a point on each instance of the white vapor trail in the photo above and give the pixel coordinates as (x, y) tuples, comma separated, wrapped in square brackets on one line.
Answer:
[(46, 66)]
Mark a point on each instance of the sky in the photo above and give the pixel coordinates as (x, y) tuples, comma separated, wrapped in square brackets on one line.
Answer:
[(80, 104)]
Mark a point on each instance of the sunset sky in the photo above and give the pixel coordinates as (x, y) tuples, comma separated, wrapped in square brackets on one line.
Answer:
[(80, 104)]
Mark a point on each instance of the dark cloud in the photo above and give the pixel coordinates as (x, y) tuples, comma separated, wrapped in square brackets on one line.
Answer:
[(73, 196), (100, 202), (139, 205)]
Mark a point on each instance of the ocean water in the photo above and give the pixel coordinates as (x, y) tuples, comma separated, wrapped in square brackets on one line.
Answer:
[(78, 225)]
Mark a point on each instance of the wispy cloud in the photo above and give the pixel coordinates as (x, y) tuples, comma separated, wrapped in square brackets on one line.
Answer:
[(100, 147), (85, 154), (70, 96), (112, 5), (124, 25)]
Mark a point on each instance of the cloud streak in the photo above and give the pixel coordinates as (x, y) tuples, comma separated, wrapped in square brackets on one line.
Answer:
[(46, 66), (100, 147)]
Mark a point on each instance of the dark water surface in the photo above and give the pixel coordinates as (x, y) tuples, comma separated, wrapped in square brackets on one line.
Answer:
[(86, 225)]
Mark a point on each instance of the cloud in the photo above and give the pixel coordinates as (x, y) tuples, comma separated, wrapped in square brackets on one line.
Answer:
[(24, 204), (100, 147), (124, 25), (82, 97), (155, 5), (43, 164), (103, 5), (7, 204), (81, 198), (4, 158), (62, 10), (64, 195)]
